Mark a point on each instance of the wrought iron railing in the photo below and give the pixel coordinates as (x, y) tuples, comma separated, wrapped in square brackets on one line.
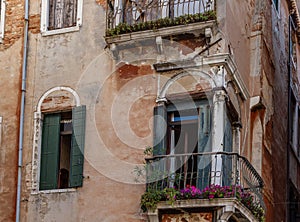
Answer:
[(133, 12), (202, 170)]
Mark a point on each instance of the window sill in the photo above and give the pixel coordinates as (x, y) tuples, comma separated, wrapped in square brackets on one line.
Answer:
[(67, 190), (60, 31)]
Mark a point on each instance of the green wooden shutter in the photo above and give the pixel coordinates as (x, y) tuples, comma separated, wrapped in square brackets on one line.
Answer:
[(160, 130), (227, 159), (77, 150), (50, 152), (204, 145)]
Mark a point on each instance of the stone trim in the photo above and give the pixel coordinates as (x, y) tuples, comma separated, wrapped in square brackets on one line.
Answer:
[(194, 72), (226, 207), (58, 88), (172, 30), (219, 65), (37, 135)]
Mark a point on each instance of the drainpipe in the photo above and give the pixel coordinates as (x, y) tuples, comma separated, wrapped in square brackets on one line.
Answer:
[(22, 111)]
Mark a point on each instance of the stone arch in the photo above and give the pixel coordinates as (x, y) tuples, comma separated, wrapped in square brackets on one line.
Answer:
[(37, 134), (58, 88), (182, 74)]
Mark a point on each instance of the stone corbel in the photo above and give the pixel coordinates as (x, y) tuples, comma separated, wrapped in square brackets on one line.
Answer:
[(225, 213), (256, 103), (153, 216), (229, 66), (115, 51), (159, 44)]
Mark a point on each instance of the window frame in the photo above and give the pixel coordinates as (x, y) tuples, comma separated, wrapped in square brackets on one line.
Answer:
[(2, 19), (163, 132), (45, 20), (200, 109)]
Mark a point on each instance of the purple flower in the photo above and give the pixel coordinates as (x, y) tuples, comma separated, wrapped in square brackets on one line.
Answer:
[(211, 196)]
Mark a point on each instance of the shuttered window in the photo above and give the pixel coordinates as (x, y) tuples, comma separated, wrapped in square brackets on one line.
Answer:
[(62, 14), (62, 151), (59, 16), (186, 128)]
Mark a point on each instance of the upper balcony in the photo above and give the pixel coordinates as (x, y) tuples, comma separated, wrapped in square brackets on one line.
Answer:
[(223, 185), (137, 19)]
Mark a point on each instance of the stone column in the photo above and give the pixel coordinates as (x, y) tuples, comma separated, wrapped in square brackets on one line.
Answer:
[(236, 136), (218, 121)]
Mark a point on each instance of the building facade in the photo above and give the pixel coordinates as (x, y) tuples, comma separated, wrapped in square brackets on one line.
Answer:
[(149, 110)]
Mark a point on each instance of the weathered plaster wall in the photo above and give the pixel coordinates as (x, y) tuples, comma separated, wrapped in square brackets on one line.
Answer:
[(10, 64), (10, 72), (78, 60), (120, 99), (280, 52)]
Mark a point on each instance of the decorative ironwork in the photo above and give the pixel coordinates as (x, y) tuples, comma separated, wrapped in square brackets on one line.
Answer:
[(202, 170), (132, 12)]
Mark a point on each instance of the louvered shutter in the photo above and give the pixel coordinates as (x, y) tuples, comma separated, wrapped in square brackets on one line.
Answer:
[(227, 159), (204, 145), (160, 130), (50, 152), (77, 150)]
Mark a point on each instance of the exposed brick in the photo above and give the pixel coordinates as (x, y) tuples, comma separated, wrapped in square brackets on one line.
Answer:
[(102, 3), (14, 23), (34, 23)]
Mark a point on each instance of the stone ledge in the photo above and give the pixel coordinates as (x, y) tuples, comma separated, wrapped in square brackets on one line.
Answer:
[(172, 30), (225, 207)]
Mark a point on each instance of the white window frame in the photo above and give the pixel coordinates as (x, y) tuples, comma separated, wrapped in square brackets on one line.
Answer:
[(45, 20), (2, 19)]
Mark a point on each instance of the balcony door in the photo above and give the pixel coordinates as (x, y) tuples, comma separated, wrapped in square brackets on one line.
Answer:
[(188, 135)]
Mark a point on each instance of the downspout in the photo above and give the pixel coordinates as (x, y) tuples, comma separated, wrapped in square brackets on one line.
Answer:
[(22, 111)]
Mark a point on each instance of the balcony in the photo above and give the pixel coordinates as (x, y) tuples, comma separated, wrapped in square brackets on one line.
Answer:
[(222, 184), (155, 17)]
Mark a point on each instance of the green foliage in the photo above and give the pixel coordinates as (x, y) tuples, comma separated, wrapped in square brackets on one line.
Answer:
[(148, 151), (124, 28), (151, 197)]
